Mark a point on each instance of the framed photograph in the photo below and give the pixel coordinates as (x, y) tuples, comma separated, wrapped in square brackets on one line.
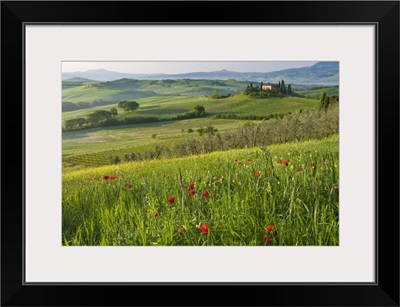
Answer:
[(247, 148)]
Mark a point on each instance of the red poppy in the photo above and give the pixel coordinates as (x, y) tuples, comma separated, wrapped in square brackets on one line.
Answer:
[(249, 159), (239, 162), (204, 228), (267, 239), (171, 199), (257, 173), (279, 161), (156, 213), (105, 177), (181, 230), (95, 178), (205, 193), (285, 163), (113, 177), (192, 192), (336, 189), (313, 164), (221, 179), (270, 228), (191, 186)]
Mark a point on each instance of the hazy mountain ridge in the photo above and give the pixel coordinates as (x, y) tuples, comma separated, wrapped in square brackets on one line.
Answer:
[(326, 73)]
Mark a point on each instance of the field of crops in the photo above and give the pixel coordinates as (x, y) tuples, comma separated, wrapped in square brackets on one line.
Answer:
[(283, 195)]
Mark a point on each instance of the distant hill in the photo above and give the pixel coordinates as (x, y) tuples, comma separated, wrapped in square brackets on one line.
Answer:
[(326, 73), (101, 93), (321, 73)]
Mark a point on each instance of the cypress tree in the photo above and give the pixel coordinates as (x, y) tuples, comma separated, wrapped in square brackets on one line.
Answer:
[(283, 88)]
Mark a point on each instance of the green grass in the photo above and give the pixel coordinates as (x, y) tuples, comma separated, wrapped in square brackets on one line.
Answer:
[(247, 190), (244, 105)]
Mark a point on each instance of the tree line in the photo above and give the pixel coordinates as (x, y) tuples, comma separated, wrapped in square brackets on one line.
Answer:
[(103, 118), (100, 117)]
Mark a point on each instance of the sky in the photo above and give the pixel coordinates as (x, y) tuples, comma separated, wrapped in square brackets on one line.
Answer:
[(183, 67)]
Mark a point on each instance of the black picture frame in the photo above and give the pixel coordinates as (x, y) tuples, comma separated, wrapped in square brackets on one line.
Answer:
[(383, 14)]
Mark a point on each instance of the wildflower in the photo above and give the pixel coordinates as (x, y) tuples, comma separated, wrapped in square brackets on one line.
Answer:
[(204, 228), (205, 193), (192, 192), (156, 213), (171, 199), (191, 186), (113, 177), (129, 185), (257, 173), (182, 230), (270, 228), (313, 164), (285, 163), (105, 177), (249, 160), (267, 239), (239, 162), (221, 179), (279, 161), (266, 173), (336, 189), (95, 178)]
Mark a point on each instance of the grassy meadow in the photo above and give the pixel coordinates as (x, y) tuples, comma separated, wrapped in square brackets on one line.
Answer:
[(281, 195), (223, 179)]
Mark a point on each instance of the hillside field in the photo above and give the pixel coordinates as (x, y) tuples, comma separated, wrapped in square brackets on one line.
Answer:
[(168, 107), (280, 195), (114, 91)]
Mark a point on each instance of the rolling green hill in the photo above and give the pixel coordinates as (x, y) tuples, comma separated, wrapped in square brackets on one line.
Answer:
[(127, 89), (315, 93), (167, 107)]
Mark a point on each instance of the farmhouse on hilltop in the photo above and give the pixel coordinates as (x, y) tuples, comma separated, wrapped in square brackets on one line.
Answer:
[(270, 86)]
